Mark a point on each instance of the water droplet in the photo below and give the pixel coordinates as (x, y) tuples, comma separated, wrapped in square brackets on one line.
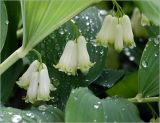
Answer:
[(94, 120), (10, 113), (131, 58), (29, 114), (7, 22), (144, 64), (96, 106), (87, 17), (106, 116), (43, 113), (103, 12), (155, 54), (99, 102), (16, 118), (87, 23), (1, 119), (77, 17), (73, 91), (42, 107)]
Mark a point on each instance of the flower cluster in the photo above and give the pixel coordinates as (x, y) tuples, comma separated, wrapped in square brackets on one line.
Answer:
[(116, 32), (37, 83), (75, 56)]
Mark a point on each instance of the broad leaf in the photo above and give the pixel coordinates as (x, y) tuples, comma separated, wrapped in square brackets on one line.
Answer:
[(42, 114), (127, 87), (42, 17), (149, 69), (109, 77), (52, 47), (3, 24), (83, 106), (151, 9), (9, 77)]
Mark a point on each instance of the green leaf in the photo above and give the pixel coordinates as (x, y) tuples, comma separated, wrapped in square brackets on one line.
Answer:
[(109, 77), (52, 47), (127, 87), (153, 12), (42, 114), (83, 106), (3, 24), (9, 77), (148, 75), (40, 18)]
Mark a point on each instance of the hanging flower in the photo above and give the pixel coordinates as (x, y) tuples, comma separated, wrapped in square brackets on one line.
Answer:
[(127, 31), (104, 33), (33, 88), (68, 60), (45, 85), (84, 63), (118, 45), (24, 80)]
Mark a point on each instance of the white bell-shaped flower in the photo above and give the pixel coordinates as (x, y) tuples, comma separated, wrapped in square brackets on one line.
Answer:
[(24, 80), (111, 32), (118, 45), (44, 84), (33, 88), (104, 33), (84, 63), (127, 31), (68, 60)]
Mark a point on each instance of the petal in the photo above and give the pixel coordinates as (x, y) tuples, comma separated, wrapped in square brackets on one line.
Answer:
[(103, 35), (33, 88), (44, 85), (111, 33), (127, 29), (119, 38), (24, 80), (84, 63), (68, 60)]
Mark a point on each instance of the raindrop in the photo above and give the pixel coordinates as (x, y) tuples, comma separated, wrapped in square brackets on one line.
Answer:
[(131, 58), (123, 109), (102, 12), (99, 102), (43, 113), (127, 53), (10, 113), (96, 106), (87, 17), (106, 116), (144, 64), (87, 23), (94, 120), (155, 54), (7, 22), (77, 17), (156, 41), (73, 91), (42, 107), (29, 114), (16, 118)]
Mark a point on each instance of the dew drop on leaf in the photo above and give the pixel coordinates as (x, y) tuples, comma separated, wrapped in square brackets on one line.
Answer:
[(6, 22), (131, 58), (156, 54), (96, 106), (16, 118), (144, 64), (42, 107)]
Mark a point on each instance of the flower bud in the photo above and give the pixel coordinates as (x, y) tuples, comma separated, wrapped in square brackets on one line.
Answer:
[(33, 88), (103, 35), (118, 45), (44, 85), (24, 80), (127, 31), (84, 63), (68, 60)]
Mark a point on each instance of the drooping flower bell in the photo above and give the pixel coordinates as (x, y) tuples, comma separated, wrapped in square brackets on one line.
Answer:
[(68, 60), (37, 83), (84, 63), (45, 85), (33, 88), (25, 79), (127, 31), (118, 45)]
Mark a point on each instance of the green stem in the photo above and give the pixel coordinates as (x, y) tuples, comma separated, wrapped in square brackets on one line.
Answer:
[(19, 33), (153, 111), (76, 30), (144, 100), (39, 58), (19, 53)]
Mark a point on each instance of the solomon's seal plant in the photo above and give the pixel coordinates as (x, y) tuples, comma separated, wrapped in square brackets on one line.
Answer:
[(90, 62)]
